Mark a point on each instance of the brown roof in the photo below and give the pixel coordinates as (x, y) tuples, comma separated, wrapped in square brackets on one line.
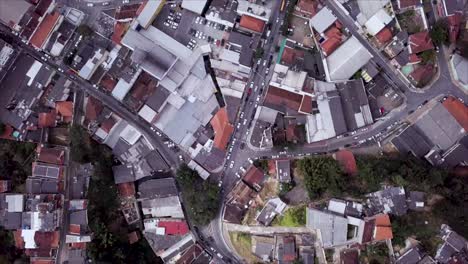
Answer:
[(407, 3), (308, 7), (306, 105), (108, 124), (50, 155), (383, 227), (241, 193), (458, 110), (222, 128), (42, 32), (47, 240), (349, 256), (420, 42), (290, 55), (330, 45), (414, 58), (454, 26), (346, 159), (7, 134), (108, 83), (119, 32), (42, 6), (94, 108), (272, 167), (126, 189), (19, 242), (127, 11), (64, 108), (281, 97), (47, 119), (74, 229), (252, 23), (133, 237), (384, 36), (423, 73), (254, 177), (190, 254)]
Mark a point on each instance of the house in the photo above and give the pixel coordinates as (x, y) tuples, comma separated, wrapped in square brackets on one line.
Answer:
[(263, 247), (453, 244), (166, 226), (41, 185), (252, 24), (238, 200), (283, 170), (389, 200), (377, 228), (407, 4), (347, 161), (306, 8), (12, 12), (412, 255), (50, 155), (422, 75), (222, 129), (123, 174), (47, 171), (163, 207), (5, 186), (460, 66), (272, 208), (451, 7), (416, 200), (378, 22), (254, 178), (346, 60), (322, 20), (157, 188), (332, 228), (349, 256), (286, 249), (420, 42), (345, 208)]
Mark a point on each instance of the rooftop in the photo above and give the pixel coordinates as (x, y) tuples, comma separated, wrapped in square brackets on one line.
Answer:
[(223, 129), (252, 23), (42, 33), (333, 228), (420, 42)]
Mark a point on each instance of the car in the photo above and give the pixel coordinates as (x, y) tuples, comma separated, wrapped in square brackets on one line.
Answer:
[(250, 160), (245, 122), (95, 86), (238, 125), (258, 98), (197, 20), (125, 1), (220, 183), (264, 63), (174, 27), (166, 24), (241, 114), (258, 62), (237, 175), (267, 70), (256, 105), (356, 137), (231, 165), (263, 84), (181, 157), (158, 133), (242, 169), (228, 156), (105, 3), (90, 5), (247, 132), (153, 129), (61, 70), (340, 136)]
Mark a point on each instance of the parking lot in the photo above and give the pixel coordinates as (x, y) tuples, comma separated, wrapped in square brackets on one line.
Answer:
[(382, 97), (188, 28), (301, 31)]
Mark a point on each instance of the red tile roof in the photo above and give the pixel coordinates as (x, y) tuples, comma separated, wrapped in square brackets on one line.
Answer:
[(133, 237), (383, 227), (252, 23), (127, 11), (50, 155), (74, 229), (47, 240), (281, 97), (126, 189), (7, 134), (454, 26), (414, 58), (222, 128), (108, 124), (47, 119), (108, 83), (42, 6), (458, 110), (423, 73), (119, 32), (384, 36), (420, 42), (307, 7), (254, 177), (330, 45), (407, 3), (45, 28), (272, 167), (306, 105), (94, 108), (178, 227), (190, 255), (64, 108), (347, 161)]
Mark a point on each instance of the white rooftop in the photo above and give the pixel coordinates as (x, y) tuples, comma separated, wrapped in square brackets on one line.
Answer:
[(195, 6), (347, 60), (322, 20), (378, 21)]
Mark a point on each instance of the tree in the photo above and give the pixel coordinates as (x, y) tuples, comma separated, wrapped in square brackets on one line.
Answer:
[(2, 128), (321, 174), (201, 197), (439, 32), (84, 30), (259, 53), (428, 57)]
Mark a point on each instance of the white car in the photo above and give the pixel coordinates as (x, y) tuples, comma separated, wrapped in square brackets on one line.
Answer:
[(258, 98), (264, 63), (250, 160), (242, 169), (181, 158), (267, 70), (228, 157), (242, 115), (159, 134), (238, 125), (231, 165), (263, 84), (237, 175), (166, 24), (153, 129), (90, 4), (125, 1), (245, 122), (219, 185)]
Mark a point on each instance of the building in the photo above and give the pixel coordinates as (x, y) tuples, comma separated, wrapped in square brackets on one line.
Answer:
[(286, 249), (271, 209), (196, 6), (390, 200), (12, 12), (331, 228), (420, 42), (322, 20), (162, 207), (43, 32), (264, 248), (283, 170), (254, 178), (346, 60), (252, 24)]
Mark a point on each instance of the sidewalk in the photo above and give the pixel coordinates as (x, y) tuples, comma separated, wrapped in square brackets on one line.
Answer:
[(267, 230)]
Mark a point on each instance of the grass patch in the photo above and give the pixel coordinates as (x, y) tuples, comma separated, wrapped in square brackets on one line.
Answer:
[(293, 217), (242, 243)]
